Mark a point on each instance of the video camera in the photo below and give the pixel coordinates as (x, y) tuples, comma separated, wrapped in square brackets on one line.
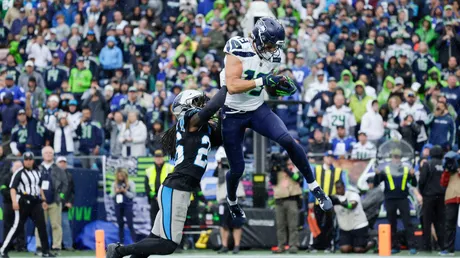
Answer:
[(278, 162), (451, 161)]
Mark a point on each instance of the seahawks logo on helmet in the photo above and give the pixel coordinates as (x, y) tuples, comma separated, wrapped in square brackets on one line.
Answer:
[(187, 100)]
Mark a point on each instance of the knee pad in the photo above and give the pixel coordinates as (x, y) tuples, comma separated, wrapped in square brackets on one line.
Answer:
[(168, 247)]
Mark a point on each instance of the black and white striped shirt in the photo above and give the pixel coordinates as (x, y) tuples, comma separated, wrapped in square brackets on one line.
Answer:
[(26, 182)]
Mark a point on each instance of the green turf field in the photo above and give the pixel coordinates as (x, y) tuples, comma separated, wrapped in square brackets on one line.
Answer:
[(243, 254)]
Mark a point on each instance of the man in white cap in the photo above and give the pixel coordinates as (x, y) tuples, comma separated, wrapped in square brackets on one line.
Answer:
[(30, 72)]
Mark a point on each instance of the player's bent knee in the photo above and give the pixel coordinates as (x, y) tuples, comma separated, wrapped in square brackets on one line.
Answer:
[(346, 249), (168, 247), (359, 250)]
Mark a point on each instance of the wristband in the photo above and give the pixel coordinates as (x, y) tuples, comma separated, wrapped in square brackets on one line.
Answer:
[(349, 206), (259, 82)]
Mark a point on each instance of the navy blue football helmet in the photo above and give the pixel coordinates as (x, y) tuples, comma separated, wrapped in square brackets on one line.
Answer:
[(268, 35)]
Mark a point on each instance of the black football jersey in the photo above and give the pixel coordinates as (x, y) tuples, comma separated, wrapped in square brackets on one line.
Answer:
[(191, 157)]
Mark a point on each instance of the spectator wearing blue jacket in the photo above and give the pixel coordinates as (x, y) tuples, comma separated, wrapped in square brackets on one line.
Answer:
[(342, 145), (111, 57), (69, 11), (8, 113), (300, 70), (442, 127), (288, 113), (19, 96), (90, 136), (452, 92), (55, 74)]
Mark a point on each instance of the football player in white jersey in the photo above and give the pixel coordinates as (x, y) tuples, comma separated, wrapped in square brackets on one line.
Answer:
[(249, 67)]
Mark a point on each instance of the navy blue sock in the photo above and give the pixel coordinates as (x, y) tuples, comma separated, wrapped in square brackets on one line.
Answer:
[(233, 179)]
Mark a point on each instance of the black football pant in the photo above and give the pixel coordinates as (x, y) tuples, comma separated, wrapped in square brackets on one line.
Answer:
[(433, 213), (392, 206), (450, 227), (8, 216), (28, 208)]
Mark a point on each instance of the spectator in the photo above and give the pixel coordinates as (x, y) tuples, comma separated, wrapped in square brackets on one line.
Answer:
[(90, 136), (133, 136), (155, 133), (359, 101), (325, 174), (74, 118), (451, 69), (346, 82), (448, 45), (410, 130), (50, 118), (338, 115), (55, 75), (418, 114), (396, 176), (30, 72), (115, 125), (9, 114), (287, 193), (155, 175), (452, 92), (96, 103), (40, 52), (450, 180), (54, 185), (320, 84), (145, 99), (363, 149), (352, 220), (323, 99), (372, 123), (402, 69), (442, 128), (342, 144), (123, 192), (67, 241), (423, 62), (372, 201), (38, 94), (317, 145), (132, 103), (111, 57), (80, 77), (433, 196), (18, 92), (63, 139), (62, 29)]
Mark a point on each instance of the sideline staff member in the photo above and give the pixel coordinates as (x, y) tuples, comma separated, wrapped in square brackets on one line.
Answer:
[(28, 200)]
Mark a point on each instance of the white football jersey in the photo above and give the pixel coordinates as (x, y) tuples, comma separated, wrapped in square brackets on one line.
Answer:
[(253, 67), (338, 117), (363, 152), (350, 219)]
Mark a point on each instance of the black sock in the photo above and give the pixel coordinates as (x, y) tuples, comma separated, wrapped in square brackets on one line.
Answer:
[(151, 245)]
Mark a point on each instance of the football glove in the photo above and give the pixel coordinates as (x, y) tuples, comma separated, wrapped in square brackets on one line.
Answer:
[(271, 80), (286, 87)]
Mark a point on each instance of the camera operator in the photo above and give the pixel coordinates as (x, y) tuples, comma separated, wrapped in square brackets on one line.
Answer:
[(352, 220), (451, 180), (224, 213), (433, 195), (286, 182)]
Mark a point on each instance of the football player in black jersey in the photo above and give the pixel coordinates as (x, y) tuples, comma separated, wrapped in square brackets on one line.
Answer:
[(189, 143)]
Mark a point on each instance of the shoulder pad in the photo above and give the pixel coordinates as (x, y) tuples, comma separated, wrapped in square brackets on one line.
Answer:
[(189, 113), (239, 47)]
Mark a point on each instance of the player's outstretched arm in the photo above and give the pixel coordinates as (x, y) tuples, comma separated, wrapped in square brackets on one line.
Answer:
[(233, 72), (203, 116)]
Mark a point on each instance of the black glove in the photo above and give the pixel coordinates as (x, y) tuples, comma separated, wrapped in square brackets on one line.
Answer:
[(335, 200)]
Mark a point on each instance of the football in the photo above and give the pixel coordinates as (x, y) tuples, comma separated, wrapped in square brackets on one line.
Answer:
[(280, 89)]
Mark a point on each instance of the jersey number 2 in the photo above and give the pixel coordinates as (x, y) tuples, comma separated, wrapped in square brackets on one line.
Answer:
[(201, 159)]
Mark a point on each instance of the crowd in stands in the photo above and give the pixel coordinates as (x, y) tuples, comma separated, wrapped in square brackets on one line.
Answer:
[(98, 77)]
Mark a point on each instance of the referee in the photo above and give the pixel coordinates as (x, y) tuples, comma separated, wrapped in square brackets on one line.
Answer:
[(28, 201)]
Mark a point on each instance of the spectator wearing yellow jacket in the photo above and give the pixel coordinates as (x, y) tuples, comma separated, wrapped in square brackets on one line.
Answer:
[(155, 175), (358, 101), (80, 77)]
